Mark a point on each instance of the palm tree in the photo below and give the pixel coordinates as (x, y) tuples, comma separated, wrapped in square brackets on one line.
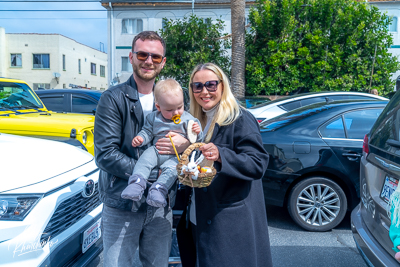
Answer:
[(238, 48)]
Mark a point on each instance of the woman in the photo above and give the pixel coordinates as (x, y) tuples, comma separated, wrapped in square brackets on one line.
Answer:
[(225, 223)]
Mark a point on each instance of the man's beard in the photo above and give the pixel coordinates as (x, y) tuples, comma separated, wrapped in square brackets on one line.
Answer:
[(147, 76)]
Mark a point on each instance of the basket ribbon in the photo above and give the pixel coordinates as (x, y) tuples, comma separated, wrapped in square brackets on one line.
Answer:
[(176, 153)]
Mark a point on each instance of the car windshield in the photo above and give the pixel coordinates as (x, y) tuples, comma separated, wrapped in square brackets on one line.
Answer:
[(17, 95)]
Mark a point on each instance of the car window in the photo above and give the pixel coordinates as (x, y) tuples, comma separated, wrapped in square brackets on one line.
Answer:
[(83, 105), (385, 132), (312, 100), (55, 103), (358, 123), (291, 105), (333, 129)]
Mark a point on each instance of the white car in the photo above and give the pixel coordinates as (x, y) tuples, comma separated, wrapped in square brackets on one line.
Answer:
[(279, 106), (50, 210)]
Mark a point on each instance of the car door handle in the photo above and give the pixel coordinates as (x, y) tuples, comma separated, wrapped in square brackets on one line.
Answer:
[(352, 156)]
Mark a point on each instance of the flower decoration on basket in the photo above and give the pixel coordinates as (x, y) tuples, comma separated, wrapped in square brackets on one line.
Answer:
[(195, 173)]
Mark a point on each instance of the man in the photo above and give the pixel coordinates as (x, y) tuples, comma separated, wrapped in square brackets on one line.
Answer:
[(120, 114)]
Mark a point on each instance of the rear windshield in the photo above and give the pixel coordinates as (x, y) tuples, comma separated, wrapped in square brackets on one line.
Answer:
[(291, 117), (385, 132)]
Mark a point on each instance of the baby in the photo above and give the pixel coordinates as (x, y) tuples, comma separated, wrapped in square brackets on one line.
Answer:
[(170, 116)]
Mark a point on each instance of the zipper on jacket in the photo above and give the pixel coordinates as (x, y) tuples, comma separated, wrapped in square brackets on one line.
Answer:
[(112, 181)]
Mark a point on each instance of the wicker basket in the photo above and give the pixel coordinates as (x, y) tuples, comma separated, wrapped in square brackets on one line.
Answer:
[(203, 179)]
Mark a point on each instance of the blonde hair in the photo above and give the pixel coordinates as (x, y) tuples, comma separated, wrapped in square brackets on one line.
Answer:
[(228, 110), (168, 85)]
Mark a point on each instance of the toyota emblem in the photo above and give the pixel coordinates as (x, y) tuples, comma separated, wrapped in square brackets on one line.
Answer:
[(88, 188)]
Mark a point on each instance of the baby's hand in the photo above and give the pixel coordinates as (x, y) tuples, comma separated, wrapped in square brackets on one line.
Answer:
[(196, 128), (137, 141), (397, 256)]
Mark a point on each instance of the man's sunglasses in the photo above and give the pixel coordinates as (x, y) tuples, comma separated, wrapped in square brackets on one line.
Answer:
[(142, 56), (211, 86)]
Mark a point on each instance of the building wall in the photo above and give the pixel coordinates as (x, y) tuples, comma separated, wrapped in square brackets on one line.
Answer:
[(56, 46), (119, 44), (392, 9)]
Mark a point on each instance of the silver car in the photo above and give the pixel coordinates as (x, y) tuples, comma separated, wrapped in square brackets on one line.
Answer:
[(379, 177), (282, 105)]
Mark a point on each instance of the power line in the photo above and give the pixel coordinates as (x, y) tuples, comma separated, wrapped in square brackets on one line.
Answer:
[(55, 10), (52, 18), (48, 1)]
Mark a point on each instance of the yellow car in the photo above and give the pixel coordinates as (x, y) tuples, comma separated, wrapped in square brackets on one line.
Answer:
[(23, 113)]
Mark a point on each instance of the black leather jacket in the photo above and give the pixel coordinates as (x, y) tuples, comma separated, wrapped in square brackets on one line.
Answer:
[(119, 118)]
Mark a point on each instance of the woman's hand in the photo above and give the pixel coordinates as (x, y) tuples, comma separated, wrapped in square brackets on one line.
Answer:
[(164, 145), (210, 152)]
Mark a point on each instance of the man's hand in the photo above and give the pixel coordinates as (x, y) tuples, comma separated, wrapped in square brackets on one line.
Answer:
[(137, 141), (196, 128), (164, 145)]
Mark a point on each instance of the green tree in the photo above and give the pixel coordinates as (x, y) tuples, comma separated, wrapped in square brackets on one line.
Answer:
[(318, 45), (192, 41)]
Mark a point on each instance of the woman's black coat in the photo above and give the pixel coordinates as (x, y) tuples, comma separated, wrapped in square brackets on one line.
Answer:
[(231, 228)]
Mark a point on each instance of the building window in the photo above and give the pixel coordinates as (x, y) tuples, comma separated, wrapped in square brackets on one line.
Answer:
[(41, 61), (102, 71), (63, 62), (64, 85), (132, 26), (93, 68), (79, 66), (37, 86), (248, 25), (393, 25), (16, 60), (207, 21), (126, 65)]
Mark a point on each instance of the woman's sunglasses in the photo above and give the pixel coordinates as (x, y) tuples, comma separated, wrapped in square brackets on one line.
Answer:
[(211, 86), (142, 56)]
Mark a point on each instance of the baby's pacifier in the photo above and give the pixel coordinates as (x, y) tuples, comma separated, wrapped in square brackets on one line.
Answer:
[(176, 118)]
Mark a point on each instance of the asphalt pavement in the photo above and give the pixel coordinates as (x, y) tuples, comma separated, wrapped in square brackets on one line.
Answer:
[(293, 246)]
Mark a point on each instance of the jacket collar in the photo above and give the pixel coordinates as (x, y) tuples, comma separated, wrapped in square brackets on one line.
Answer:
[(133, 93)]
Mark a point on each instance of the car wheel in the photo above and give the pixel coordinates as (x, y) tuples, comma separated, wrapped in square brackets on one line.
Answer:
[(317, 204)]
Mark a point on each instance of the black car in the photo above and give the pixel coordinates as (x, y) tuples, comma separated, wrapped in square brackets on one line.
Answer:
[(314, 162), (70, 100)]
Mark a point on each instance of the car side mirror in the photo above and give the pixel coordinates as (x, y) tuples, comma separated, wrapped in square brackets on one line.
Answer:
[(94, 111)]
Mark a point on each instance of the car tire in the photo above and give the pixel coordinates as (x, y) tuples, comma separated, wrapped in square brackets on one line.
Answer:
[(309, 212)]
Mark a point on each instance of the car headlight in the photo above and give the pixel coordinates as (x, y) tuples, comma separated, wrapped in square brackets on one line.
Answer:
[(17, 207), (84, 137)]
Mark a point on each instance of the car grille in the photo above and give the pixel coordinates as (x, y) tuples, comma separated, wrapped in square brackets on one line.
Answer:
[(69, 212)]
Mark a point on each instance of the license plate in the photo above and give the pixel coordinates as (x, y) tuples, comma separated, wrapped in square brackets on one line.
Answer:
[(389, 187), (91, 235)]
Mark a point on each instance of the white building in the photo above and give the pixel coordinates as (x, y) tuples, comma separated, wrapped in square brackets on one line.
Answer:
[(126, 18), (51, 61), (392, 9)]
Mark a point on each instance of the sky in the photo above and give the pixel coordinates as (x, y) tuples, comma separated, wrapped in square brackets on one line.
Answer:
[(83, 24)]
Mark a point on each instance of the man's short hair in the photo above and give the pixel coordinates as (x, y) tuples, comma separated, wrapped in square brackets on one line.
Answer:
[(149, 35), (168, 85)]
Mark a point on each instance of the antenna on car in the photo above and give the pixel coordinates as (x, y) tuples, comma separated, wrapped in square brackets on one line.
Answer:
[(56, 76)]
